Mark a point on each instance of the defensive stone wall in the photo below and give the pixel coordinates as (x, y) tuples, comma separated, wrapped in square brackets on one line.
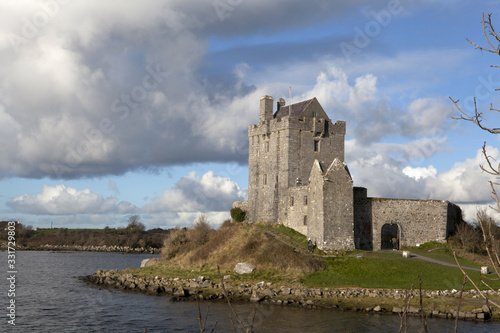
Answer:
[(415, 221)]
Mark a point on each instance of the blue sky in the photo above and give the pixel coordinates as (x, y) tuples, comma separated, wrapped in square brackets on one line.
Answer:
[(115, 108)]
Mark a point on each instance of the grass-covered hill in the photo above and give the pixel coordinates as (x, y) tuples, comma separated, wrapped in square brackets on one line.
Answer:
[(202, 248)]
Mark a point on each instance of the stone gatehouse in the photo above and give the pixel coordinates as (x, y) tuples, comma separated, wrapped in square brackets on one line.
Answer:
[(298, 178)]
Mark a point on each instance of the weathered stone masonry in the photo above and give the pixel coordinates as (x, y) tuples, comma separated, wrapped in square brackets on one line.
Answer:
[(298, 178)]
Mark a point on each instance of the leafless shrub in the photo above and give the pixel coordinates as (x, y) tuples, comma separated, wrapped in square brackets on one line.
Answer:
[(174, 243), (469, 238), (200, 233)]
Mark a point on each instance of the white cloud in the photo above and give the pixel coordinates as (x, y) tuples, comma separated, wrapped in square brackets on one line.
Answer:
[(180, 205), (464, 182), (192, 194), (62, 200), (386, 174), (167, 220), (368, 112), (420, 172)]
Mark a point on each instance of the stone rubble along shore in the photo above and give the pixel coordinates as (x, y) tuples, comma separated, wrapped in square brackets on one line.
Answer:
[(91, 248), (203, 289)]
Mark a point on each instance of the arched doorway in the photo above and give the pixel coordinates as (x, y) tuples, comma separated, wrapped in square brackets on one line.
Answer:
[(389, 232)]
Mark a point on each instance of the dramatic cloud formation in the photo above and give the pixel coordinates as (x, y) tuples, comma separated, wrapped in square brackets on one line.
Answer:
[(93, 89), (97, 88), (128, 91)]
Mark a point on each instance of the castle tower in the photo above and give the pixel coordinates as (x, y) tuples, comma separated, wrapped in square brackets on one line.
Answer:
[(282, 149)]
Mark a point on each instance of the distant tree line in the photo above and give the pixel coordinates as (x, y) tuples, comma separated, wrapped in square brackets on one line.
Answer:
[(134, 235)]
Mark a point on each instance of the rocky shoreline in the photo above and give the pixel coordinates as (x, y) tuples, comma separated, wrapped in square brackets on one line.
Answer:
[(203, 289), (91, 248)]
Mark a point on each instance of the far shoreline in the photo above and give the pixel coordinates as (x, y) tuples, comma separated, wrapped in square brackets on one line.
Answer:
[(85, 248)]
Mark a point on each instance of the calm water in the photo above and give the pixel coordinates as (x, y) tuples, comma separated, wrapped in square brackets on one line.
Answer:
[(50, 298)]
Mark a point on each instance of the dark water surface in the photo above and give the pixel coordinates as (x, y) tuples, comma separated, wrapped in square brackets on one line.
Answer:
[(50, 298)]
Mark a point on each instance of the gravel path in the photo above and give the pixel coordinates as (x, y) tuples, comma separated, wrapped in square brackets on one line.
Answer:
[(435, 261)]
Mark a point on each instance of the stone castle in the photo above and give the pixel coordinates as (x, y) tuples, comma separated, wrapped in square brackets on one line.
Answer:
[(298, 178)]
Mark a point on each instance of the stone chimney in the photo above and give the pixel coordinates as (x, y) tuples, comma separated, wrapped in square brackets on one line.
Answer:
[(266, 108), (280, 103)]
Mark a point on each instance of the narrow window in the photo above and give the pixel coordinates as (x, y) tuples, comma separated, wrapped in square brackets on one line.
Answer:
[(264, 179), (316, 145), (267, 147), (305, 219), (291, 201), (305, 200)]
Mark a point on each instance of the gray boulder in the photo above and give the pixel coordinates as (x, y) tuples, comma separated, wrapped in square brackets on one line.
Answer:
[(244, 268), (149, 262)]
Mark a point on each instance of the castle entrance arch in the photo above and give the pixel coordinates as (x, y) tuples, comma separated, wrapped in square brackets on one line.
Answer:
[(389, 232)]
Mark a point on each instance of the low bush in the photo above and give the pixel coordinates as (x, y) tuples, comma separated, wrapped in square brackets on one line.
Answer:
[(237, 214)]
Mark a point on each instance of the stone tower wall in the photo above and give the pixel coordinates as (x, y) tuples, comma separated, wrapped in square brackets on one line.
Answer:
[(263, 176), (296, 215), (338, 209), (315, 207)]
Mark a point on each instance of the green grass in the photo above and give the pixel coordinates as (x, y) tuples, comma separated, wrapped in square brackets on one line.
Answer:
[(432, 245), (388, 270), (288, 234), (294, 235), (444, 254)]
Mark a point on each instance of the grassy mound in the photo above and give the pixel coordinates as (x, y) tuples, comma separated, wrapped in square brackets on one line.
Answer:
[(201, 247)]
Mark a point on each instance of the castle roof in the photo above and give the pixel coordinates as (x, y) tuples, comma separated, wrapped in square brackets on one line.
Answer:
[(295, 110)]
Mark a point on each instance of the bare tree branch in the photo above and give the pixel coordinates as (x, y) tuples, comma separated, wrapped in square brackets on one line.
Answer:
[(471, 281), (488, 25), (459, 302), (422, 314), (248, 330)]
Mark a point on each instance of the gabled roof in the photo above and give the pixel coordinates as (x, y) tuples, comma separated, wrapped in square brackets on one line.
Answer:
[(296, 109), (337, 165)]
